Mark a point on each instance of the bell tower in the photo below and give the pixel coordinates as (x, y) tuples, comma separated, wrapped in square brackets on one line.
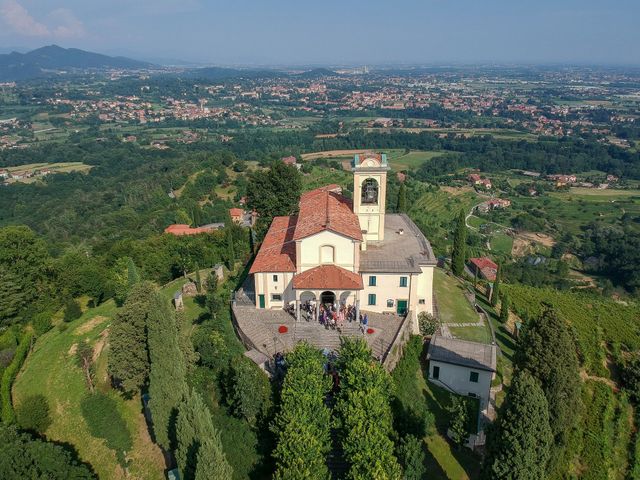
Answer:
[(370, 193)]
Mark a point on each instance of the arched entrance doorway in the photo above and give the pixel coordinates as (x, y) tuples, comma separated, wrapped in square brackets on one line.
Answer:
[(327, 298)]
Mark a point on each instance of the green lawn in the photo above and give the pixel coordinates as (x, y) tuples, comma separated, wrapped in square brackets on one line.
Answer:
[(452, 304), (501, 243), (413, 159), (480, 334)]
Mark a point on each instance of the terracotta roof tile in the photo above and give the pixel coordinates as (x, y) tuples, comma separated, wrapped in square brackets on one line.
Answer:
[(326, 209), (328, 277), (278, 250)]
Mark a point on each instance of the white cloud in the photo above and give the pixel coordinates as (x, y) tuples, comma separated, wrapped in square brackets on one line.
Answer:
[(67, 24), (60, 23), (18, 18)]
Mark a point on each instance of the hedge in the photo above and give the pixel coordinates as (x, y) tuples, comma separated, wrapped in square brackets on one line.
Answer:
[(9, 375)]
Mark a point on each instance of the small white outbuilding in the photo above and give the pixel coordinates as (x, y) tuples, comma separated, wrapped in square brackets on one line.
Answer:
[(462, 367)]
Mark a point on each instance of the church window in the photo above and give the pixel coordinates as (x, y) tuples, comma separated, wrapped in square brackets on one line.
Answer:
[(370, 191), (327, 254)]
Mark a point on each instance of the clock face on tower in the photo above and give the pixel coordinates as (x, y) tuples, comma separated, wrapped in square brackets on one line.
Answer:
[(370, 163)]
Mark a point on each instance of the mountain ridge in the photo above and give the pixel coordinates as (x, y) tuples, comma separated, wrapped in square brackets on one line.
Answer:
[(42, 61)]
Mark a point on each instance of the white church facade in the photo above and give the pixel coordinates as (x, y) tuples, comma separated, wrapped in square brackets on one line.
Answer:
[(342, 252)]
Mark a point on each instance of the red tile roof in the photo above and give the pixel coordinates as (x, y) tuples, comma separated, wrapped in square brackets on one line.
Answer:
[(326, 209), (327, 277), (236, 212), (487, 266), (483, 262), (278, 250), (184, 229), (289, 160)]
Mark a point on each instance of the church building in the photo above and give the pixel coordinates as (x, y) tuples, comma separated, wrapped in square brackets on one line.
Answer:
[(342, 252)]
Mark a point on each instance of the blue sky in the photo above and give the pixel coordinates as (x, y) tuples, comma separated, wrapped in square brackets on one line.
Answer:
[(334, 32)]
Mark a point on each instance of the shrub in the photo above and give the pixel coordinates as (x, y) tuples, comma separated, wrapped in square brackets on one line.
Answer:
[(249, 391), (427, 323), (33, 414), (105, 421), (9, 375), (72, 310), (42, 323), (62, 327), (6, 356), (412, 458), (410, 409), (458, 425)]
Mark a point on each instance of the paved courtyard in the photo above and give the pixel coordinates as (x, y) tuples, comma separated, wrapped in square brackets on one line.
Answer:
[(258, 329)]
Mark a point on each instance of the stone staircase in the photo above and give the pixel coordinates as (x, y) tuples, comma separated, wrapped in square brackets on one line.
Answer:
[(324, 338)]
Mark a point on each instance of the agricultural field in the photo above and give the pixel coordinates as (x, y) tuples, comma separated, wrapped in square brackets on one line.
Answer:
[(594, 319), (398, 158), (606, 436), (501, 243), (434, 212), (321, 176), (414, 159), (60, 167), (568, 211)]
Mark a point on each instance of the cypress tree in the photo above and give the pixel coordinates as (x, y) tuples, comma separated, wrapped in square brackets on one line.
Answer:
[(211, 301), (212, 462), (231, 254), (548, 352), (133, 276), (167, 372), (364, 410), (198, 279), (458, 255), (402, 198), (495, 291), (302, 424), (505, 305), (194, 429), (128, 360), (520, 440)]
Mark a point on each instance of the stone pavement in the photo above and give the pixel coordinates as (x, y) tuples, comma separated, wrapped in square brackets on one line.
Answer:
[(258, 328)]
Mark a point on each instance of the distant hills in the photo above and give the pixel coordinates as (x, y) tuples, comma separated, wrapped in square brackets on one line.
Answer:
[(50, 59)]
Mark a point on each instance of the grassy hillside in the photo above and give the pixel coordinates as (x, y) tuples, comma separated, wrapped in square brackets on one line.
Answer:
[(594, 319), (51, 370)]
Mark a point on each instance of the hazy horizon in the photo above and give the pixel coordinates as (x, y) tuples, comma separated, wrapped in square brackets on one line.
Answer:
[(376, 33)]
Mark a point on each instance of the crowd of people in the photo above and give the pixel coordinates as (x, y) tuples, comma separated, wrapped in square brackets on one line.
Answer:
[(332, 316)]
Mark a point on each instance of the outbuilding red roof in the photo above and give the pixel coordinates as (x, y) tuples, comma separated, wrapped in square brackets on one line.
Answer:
[(236, 212), (326, 209), (278, 250), (327, 277), (483, 262)]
